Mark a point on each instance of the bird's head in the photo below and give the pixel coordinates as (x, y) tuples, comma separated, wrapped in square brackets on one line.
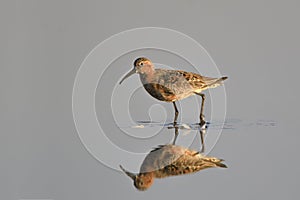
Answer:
[(141, 66), (141, 181)]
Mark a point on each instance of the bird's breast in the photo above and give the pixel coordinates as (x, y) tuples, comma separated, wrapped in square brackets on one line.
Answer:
[(160, 92)]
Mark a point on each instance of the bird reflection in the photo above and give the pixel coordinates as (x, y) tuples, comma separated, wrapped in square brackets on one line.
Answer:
[(171, 160)]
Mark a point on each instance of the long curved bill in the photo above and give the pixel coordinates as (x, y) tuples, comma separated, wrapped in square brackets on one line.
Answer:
[(127, 75), (131, 175)]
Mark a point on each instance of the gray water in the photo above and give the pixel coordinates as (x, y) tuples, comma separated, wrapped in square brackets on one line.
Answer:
[(254, 43)]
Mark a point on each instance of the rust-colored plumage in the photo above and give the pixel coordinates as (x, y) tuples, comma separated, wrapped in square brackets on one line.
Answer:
[(172, 85), (171, 160)]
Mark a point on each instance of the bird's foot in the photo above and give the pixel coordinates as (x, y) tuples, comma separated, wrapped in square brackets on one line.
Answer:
[(202, 124)]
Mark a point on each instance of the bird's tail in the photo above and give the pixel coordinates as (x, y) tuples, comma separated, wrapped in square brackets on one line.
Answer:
[(214, 82), (216, 162), (219, 164)]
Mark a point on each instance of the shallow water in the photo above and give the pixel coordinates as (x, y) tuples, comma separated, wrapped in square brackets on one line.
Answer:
[(255, 152)]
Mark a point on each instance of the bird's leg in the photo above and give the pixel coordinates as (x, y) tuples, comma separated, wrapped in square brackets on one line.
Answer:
[(176, 113), (202, 108), (202, 121)]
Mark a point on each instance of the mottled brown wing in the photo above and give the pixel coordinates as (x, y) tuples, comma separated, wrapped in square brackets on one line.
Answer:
[(195, 80), (190, 163), (201, 82)]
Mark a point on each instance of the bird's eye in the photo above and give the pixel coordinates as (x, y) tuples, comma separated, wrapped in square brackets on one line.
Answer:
[(141, 64), (141, 183)]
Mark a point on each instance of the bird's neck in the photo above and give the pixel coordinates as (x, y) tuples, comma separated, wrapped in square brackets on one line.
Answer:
[(147, 176), (147, 75), (148, 70)]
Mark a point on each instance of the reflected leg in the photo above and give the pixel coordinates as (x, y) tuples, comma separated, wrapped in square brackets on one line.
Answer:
[(176, 134), (202, 132)]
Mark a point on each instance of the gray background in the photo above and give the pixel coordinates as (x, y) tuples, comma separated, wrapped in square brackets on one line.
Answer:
[(255, 43)]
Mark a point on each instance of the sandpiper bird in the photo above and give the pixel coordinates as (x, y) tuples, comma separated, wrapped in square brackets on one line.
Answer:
[(170, 160), (172, 85)]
